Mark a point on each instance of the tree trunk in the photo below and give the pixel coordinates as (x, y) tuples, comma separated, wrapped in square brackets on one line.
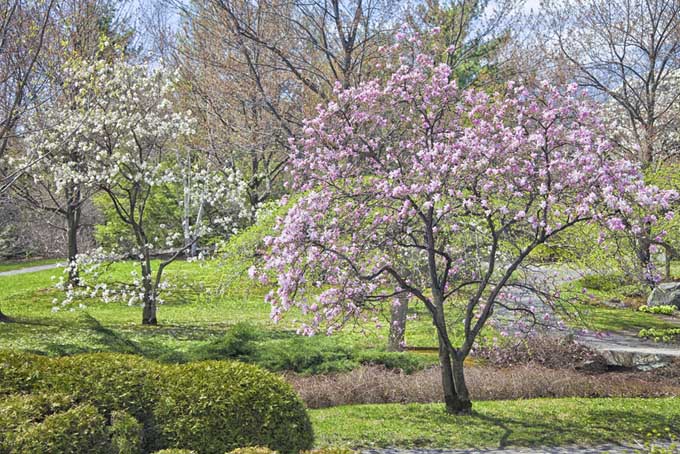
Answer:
[(72, 226), (398, 313), (459, 383), (455, 403), (149, 310), (149, 313), (72, 233)]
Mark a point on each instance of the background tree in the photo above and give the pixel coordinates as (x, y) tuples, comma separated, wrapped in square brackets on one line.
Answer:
[(128, 132), (80, 33), (415, 166), (22, 34), (627, 53)]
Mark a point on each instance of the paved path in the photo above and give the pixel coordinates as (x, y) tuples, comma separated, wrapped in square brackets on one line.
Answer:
[(620, 348), (30, 269), (602, 449)]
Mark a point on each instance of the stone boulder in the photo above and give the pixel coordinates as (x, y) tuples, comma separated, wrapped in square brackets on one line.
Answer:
[(665, 294)]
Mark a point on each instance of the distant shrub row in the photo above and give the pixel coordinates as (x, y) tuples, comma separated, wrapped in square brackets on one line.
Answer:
[(247, 343), (120, 404), (663, 309)]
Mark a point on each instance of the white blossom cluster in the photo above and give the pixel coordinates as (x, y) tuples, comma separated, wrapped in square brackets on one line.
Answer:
[(627, 131), (121, 131), (95, 284)]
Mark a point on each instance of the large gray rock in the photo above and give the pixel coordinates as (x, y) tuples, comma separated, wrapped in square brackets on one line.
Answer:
[(667, 293)]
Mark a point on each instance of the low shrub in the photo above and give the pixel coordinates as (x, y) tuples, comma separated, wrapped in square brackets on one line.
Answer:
[(299, 354), (663, 309), (602, 282), (247, 343), (126, 433), (547, 351), (79, 430), (377, 385), (22, 410), (238, 343), (208, 406), (253, 450), (215, 407), (330, 450), (405, 362), (661, 335), (20, 371), (175, 451)]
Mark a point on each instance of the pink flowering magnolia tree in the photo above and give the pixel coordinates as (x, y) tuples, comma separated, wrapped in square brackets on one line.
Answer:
[(412, 186)]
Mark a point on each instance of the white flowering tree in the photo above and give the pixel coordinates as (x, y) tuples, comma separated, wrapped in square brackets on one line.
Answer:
[(128, 133)]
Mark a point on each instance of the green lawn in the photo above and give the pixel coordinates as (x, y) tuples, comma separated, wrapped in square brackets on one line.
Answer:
[(196, 317), (602, 318), (595, 315), (535, 422)]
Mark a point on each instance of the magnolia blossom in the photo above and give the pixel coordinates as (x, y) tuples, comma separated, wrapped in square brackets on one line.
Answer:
[(413, 186)]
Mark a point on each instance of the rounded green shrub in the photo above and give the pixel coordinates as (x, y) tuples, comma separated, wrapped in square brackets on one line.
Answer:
[(20, 372), (79, 430), (252, 450), (175, 451), (126, 433), (110, 382), (18, 411), (214, 407), (330, 450)]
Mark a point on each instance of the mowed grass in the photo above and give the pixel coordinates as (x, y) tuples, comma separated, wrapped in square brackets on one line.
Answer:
[(202, 309), (534, 422)]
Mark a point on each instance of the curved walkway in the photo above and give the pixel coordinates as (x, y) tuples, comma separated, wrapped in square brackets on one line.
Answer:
[(30, 269)]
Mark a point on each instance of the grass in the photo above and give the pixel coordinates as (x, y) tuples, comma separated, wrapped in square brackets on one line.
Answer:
[(193, 322), (18, 265), (602, 318), (597, 316), (534, 422)]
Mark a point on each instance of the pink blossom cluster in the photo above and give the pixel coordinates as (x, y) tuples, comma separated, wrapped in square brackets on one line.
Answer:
[(412, 184)]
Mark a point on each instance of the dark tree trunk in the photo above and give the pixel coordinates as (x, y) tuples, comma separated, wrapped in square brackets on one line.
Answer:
[(149, 310), (73, 225), (149, 313), (456, 398), (398, 313), (465, 406)]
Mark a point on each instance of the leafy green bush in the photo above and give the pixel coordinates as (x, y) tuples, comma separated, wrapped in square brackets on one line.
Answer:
[(126, 433), (602, 282), (20, 371), (300, 355), (79, 430), (238, 343), (661, 335), (663, 309), (109, 381), (215, 407), (175, 451), (21, 410), (252, 450), (330, 450), (394, 360)]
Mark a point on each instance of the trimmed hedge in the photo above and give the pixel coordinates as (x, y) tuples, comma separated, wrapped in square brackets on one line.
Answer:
[(210, 407), (253, 450), (109, 381), (216, 406), (79, 430)]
